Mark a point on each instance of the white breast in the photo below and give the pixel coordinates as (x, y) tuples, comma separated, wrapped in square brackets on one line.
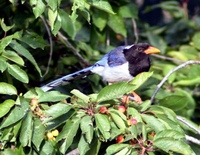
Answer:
[(116, 74)]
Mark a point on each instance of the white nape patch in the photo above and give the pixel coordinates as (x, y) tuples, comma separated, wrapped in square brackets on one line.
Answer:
[(129, 46), (117, 73)]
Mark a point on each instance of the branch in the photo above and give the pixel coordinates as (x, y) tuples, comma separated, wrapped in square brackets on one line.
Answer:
[(135, 30), (192, 139), (76, 52), (167, 76), (184, 121), (51, 45), (167, 58)]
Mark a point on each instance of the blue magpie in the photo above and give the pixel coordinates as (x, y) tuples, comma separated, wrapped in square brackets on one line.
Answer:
[(121, 64)]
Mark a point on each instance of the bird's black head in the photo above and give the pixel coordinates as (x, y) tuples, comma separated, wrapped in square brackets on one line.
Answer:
[(138, 57)]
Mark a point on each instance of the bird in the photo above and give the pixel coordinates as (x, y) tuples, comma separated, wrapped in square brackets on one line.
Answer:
[(120, 64)]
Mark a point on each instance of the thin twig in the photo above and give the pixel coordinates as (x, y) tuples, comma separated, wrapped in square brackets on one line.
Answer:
[(167, 76), (188, 124), (135, 30), (76, 52), (51, 45), (167, 58), (192, 139)]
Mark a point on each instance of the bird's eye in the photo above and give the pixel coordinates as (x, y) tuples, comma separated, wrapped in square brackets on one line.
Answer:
[(140, 49)]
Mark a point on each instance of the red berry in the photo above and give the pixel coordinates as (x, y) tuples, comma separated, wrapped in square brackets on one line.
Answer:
[(120, 139), (122, 108), (132, 121), (103, 110)]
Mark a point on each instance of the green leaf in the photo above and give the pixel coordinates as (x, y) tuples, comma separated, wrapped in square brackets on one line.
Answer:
[(23, 51), (57, 25), (153, 122), (68, 132), (103, 5), (118, 120), (16, 114), (188, 82), (129, 11), (57, 110), (3, 64), (80, 95), (4, 27), (26, 130), (6, 88), (174, 102), (166, 70), (67, 24), (140, 79), (169, 133), (33, 40), (133, 113), (94, 147), (86, 122), (112, 149), (38, 7), (103, 124), (6, 106), (196, 40), (53, 4), (170, 144), (99, 19), (52, 96), (5, 42), (38, 133), (18, 73), (83, 146), (117, 20), (114, 91), (52, 15), (13, 56)]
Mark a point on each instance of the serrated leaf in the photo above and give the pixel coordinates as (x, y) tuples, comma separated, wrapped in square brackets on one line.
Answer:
[(33, 40), (112, 149), (114, 20), (153, 122), (170, 144), (196, 40), (52, 96), (3, 64), (129, 11), (118, 121), (57, 110), (38, 133), (170, 133), (26, 130), (83, 146), (67, 25), (4, 27), (114, 91), (13, 56), (38, 7), (133, 113), (99, 19), (6, 106), (52, 15), (103, 5), (174, 102), (23, 51), (18, 73), (6, 88), (86, 122), (80, 95), (68, 132), (5, 42), (140, 79), (103, 124), (16, 114)]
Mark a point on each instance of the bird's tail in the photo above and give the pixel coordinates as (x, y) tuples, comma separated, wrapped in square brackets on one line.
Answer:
[(66, 79)]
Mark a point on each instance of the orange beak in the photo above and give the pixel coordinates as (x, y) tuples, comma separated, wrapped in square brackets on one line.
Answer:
[(151, 50)]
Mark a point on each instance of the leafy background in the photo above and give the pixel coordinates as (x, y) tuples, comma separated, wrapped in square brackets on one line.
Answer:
[(43, 40)]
